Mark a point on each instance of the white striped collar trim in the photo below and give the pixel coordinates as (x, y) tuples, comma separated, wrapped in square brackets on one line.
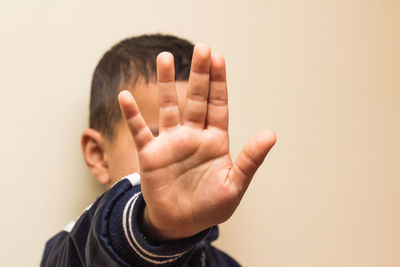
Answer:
[(134, 178), (69, 227)]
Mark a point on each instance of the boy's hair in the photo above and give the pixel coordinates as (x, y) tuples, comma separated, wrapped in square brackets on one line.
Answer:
[(123, 65)]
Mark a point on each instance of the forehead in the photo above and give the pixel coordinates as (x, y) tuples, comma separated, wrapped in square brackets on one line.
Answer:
[(146, 97)]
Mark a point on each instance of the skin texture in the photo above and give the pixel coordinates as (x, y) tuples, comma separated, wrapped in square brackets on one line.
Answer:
[(189, 181)]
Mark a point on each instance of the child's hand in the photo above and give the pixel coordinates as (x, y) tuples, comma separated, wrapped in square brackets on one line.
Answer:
[(188, 179)]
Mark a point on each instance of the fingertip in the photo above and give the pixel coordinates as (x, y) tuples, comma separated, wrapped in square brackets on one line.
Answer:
[(165, 58), (124, 93), (124, 96), (218, 71), (127, 103), (266, 137), (217, 59), (165, 67), (203, 49)]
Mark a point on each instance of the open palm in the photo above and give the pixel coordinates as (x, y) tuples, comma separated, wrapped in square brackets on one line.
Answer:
[(189, 181)]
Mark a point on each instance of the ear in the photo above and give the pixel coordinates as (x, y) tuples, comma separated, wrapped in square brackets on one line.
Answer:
[(95, 156)]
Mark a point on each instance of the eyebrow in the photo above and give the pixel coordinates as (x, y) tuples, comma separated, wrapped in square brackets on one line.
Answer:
[(155, 131)]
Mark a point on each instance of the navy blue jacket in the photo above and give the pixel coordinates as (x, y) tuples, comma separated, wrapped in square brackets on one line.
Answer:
[(107, 234)]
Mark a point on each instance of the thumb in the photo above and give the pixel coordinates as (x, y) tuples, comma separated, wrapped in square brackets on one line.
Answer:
[(250, 159)]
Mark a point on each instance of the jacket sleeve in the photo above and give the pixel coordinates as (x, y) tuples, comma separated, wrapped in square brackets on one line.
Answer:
[(108, 234)]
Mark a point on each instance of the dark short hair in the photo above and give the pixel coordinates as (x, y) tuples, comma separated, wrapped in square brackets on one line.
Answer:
[(123, 65)]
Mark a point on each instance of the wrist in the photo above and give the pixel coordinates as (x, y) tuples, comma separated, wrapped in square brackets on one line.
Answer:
[(151, 232), (161, 234)]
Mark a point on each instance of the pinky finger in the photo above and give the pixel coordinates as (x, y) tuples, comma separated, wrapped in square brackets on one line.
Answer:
[(140, 131)]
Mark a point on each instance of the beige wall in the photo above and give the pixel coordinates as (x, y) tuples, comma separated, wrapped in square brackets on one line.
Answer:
[(325, 75)]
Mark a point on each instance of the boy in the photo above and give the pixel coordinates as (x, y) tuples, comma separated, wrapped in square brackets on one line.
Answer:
[(178, 142)]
